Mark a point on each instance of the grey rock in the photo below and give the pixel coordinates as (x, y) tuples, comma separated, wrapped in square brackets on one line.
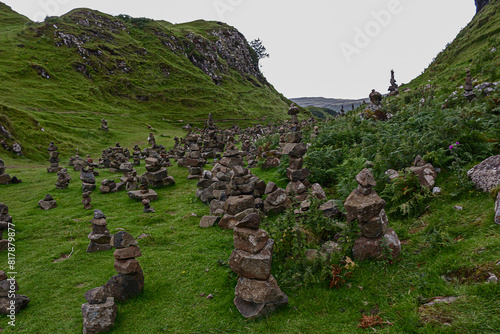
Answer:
[(486, 175)]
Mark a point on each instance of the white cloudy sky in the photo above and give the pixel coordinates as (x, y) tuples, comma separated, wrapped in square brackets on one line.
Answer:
[(329, 48)]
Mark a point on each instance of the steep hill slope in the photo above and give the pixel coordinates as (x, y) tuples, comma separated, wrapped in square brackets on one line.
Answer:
[(476, 47), (89, 64)]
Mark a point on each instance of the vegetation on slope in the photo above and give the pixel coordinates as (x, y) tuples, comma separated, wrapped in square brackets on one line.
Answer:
[(94, 65)]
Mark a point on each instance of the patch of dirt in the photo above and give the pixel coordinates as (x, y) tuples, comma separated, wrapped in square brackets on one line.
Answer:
[(438, 311), (62, 258), (479, 274)]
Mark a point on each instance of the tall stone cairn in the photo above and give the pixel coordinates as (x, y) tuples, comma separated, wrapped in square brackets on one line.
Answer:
[(377, 241), (194, 162), (257, 292), (129, 282), (53, 159), (100, 236), (86, 199)]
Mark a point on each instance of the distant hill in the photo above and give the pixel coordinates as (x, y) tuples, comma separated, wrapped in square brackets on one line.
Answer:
[(86, 63), (332, 104)]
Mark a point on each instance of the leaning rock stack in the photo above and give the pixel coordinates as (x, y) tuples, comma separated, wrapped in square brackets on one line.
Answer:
[(365, 206), (10, 302), (63, 179), (157, 175), (194, 162), (129, 282), (424, 171), (257, 292), (99, 313), (53, 159), (100, 236), (5, 220)]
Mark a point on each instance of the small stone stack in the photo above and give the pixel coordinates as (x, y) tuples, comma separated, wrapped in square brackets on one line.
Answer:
[(118, 161), (108, 186), (88, 179), (63, 179), (364, 205), (277, 200), (77, 162), (5, 220), (47, 203), (194, 162), (144, 191), (257, 292), (130, 180), (157, 175), (10, 302), (100, 236), (99, 313), (86, 199), (104, 125), (129, 282), (147, 206), (4, 177), (469, 87), (136, 156), (53, 159), (424, 171)]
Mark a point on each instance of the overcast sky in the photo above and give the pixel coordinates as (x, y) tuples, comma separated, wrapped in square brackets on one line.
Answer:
[(330, 48)]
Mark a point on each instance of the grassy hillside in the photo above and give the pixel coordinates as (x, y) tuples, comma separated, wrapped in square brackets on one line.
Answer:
[(476, 47), (65, 74)]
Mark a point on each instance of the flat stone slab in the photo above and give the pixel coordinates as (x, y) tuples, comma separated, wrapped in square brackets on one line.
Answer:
[(151, 195)]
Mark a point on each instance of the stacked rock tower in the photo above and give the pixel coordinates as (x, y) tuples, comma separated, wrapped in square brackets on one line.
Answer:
[(53, 159), (100, 236), (257, 292), (365, 206), (194, 162), (129, 282), (157, 175)]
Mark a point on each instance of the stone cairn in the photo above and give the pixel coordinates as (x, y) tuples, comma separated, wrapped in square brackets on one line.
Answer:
[(53, 159), (10, 303), (143, 192), (100, 236), (156, 175), (5, 220), (63, 179), (194, 162), (296, 150), (77, 162), (104, 125), (4, 177), (88, 179), (393, 88), (47, 203), (377, 241), (108, 186), (86, 199), (232, 191), (469, 87), (136, 156), (257, 292), (129, 282), (99, 313), (118, 162), (147, 206)]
